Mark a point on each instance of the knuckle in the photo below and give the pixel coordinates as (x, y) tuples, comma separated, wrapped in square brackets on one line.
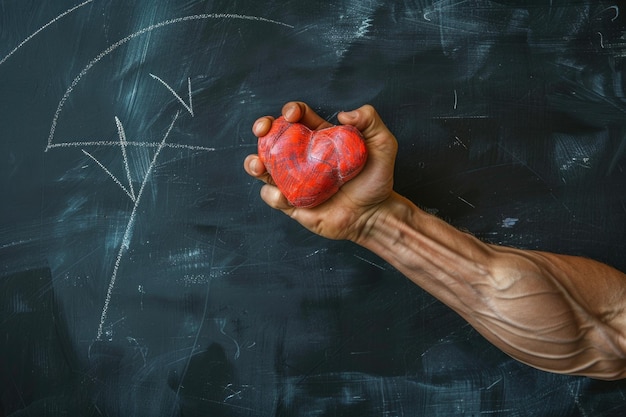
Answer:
[(369, 111), (368, 108)]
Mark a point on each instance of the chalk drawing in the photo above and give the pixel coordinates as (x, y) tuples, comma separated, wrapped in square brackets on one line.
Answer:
[(132, 36), (369, 262), (493, 384), (615, 8), (123, 142), (104, 330), (62, 15), (235, 394), (462, 199), (132, 197), (133, 144), (128, 231), (461, 117), (222, 324), (189, 106), (601, 40), (130, 191)]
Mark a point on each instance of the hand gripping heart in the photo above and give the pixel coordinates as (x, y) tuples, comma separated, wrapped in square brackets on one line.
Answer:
[(308, 166)]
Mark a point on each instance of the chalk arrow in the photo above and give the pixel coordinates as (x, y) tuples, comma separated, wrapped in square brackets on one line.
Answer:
[(119, 184), (123, 143), (189, 106)]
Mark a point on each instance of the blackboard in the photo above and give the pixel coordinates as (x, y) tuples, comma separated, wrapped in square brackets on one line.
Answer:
[(141, 274)]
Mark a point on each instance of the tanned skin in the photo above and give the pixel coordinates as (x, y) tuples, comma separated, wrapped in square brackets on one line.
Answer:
[(558, 313)]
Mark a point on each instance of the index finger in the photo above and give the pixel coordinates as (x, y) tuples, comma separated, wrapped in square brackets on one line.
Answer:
[(262, 125)]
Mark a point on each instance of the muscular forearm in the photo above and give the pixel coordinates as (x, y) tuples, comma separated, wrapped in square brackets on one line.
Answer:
[(557, 313)]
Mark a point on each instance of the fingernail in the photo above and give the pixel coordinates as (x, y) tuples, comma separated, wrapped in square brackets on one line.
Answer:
[(254, 165), (290, 111), (257, 126)]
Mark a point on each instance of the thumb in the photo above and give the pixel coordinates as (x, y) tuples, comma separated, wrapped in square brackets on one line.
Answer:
[(377, 136)]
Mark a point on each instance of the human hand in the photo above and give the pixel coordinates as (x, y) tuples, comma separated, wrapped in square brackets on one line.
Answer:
[(347, 212)]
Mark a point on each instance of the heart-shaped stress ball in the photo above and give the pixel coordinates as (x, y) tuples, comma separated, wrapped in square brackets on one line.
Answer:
[(309, 166)]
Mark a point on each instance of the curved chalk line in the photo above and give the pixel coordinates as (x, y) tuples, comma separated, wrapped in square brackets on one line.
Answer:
[(42, 28), (130, 37), (189, 106)]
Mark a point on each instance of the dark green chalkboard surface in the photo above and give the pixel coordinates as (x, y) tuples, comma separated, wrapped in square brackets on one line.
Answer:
[(141, 274)]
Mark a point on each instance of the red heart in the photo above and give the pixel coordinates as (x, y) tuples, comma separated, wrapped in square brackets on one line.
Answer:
[(307, 166)]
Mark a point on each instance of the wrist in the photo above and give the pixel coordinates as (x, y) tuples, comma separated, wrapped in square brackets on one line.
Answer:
[(417, 242), (384, 218)]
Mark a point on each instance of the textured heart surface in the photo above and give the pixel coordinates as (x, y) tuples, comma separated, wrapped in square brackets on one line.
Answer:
[(309, 166)]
